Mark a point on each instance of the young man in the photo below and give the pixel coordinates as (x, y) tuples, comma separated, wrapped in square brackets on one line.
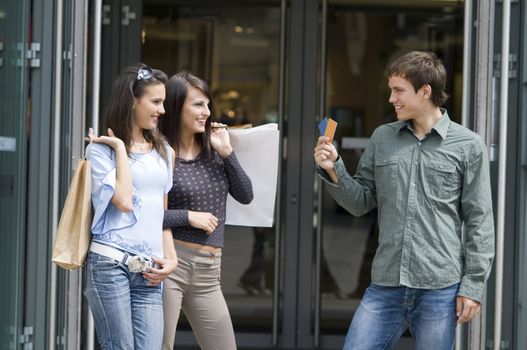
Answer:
[(428, 176)]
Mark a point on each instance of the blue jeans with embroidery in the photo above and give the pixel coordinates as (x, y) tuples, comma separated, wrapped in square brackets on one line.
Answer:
[(386, 312), (128, 314)]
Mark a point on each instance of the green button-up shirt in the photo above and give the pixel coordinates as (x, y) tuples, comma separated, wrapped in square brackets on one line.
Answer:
[(425, 190)]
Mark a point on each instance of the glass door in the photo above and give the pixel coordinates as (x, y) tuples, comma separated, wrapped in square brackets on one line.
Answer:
[(297, 284), (14, 17), (236, 49), (361, 40)]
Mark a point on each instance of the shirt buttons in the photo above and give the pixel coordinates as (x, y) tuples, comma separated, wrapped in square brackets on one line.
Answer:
[(419, 143)]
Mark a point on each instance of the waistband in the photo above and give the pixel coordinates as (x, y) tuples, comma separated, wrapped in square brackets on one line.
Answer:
[(135, 263), (190, 253)]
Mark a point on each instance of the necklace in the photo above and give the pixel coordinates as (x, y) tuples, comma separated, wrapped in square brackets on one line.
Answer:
[(142, 146)]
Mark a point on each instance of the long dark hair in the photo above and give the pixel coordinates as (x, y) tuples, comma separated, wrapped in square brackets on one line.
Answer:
[(177, 90), (119, 113)]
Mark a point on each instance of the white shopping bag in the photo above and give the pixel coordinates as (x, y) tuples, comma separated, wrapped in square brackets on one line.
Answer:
[(257, 151)]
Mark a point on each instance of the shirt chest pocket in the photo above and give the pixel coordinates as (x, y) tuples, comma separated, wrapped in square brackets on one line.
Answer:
[(386, 177), (442, 180)]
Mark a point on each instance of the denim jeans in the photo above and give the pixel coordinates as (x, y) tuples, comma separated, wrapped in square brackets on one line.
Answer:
[(386, 312), (128, 314)]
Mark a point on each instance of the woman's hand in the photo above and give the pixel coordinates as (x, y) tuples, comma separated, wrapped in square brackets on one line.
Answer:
[(156, 276), (325, 153), (110, 140), (168, 264), (220, 140), (203, 220), (122, 197)]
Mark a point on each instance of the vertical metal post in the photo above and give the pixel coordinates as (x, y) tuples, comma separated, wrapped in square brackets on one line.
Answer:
[(278, 219), (467, 60), (291, 241), (465, 99), (502, 164), (304, 121), (322, 109), (77, 125), (96, 59), (57, 111), (481, 120), (96, 81)]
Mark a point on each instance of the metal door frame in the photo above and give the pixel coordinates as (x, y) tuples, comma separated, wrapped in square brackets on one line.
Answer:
[(521, 261), (506, 100), (67, 86)]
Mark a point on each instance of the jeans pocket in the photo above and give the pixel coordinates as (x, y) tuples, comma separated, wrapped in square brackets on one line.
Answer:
[(101, 270), (437, 304), (100, 261)]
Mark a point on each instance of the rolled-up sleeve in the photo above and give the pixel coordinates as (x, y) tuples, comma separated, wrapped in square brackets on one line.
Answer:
[(106, 216)]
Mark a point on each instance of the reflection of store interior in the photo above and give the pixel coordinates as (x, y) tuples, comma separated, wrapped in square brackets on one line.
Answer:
[(236, 51), (360, 47)]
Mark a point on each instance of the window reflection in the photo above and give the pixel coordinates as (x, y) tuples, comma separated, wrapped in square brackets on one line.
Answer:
[(235, 50)]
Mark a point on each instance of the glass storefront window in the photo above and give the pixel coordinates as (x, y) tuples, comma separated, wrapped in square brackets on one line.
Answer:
[(235, 49), (13, 139)]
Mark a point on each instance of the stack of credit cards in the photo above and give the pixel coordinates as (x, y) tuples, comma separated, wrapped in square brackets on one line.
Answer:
[(327, 127)]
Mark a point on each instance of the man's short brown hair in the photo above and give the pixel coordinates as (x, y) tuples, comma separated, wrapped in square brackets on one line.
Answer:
[(420, 68)]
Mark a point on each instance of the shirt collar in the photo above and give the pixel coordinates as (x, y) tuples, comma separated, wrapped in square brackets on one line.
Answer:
[(441, 127), (442, 124)]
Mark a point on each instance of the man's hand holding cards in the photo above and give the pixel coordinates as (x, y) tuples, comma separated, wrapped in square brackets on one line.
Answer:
[(325, 153)]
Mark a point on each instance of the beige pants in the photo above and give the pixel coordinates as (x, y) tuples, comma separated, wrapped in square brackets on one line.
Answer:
[(195, 287)]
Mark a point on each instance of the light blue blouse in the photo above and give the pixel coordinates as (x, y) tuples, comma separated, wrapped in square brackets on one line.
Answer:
[(140, 230)]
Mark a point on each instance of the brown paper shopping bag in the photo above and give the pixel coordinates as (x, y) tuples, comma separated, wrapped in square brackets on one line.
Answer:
[(73, 233)]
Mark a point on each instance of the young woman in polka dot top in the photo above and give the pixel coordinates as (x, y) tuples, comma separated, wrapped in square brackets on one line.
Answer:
[(206, 170)]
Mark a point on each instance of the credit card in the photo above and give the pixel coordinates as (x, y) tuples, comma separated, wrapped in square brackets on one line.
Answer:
[(322, 126), (331, 127)]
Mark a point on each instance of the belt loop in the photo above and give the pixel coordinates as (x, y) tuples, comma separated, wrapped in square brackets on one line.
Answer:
[(125, 257)]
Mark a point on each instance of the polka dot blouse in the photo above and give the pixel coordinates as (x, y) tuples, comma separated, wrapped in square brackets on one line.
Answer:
[(202, 184)]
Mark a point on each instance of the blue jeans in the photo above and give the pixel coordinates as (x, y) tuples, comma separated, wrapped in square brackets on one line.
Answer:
[(128, 314), (386, 312)]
